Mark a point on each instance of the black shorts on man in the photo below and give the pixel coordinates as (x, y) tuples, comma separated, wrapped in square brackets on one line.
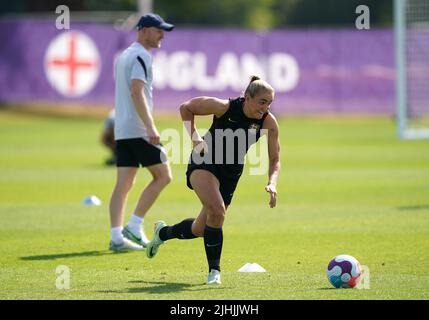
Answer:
[(138, 152)]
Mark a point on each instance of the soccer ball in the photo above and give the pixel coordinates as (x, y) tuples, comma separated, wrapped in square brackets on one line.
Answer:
[(344, 271)]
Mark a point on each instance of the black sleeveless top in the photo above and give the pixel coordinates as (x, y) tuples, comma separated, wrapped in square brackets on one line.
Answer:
[(230, 137)]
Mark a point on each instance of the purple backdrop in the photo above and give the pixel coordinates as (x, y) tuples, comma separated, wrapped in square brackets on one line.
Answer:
[(311, 70)]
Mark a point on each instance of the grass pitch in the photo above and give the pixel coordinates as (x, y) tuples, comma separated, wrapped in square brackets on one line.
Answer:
[(347, 185)]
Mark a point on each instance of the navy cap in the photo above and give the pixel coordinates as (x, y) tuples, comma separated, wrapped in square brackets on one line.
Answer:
[(154, 20)]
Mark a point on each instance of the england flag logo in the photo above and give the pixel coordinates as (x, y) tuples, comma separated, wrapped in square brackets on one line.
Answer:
[(72, 64)]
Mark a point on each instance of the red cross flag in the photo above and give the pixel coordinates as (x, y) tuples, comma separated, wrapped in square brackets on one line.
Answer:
[(72, 64)]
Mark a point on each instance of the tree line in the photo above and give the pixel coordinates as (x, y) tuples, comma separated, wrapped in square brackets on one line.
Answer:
[(249, 14)]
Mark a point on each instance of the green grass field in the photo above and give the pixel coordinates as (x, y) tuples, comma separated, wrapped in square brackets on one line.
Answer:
[(347, 185)]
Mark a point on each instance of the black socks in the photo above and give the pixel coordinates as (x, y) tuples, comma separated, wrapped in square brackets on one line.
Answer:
[(182, 230), (213, 239)]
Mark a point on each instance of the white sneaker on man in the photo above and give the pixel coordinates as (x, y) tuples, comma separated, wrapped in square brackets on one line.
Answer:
[(139, 239), (152, 247), (125, 245), (214, 277)]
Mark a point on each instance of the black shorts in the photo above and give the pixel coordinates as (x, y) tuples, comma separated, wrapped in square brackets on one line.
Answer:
[(138, 152), (227, 175)]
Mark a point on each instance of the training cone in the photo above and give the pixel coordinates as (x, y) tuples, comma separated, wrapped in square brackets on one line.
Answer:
[(251, 267), (91, 201)]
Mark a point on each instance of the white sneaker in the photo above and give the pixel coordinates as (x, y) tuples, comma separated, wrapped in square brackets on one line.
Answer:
[(214, 277), (125, 245), (152, 247), (140, 239)]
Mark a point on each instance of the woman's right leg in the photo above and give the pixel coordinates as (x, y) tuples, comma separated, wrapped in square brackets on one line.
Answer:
[(212, 214), (208, 224), (210, 220), (206, 186)]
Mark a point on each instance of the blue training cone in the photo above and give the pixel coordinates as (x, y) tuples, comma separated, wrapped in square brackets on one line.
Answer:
[(91, 201)]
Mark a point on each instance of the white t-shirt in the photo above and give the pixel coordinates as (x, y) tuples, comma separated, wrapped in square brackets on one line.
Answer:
[(134, 63)]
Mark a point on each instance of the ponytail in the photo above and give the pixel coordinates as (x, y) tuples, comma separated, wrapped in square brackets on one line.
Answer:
[(254, 78), (255, 85)]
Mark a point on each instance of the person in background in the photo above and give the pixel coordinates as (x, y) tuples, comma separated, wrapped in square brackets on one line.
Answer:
[(108, 137), (136, 135)]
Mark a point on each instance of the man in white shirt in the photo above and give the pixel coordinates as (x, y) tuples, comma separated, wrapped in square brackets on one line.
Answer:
[(136, 135)]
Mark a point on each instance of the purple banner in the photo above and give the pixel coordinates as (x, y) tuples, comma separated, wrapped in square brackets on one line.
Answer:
[(311, 70)]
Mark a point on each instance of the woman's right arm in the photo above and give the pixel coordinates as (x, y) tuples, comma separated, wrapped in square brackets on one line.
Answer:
[(201, 106)]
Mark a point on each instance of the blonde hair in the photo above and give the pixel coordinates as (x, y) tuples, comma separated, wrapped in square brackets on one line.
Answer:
[(256, 85)]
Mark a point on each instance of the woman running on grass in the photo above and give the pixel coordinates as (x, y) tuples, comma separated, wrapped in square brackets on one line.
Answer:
[(216, 164)]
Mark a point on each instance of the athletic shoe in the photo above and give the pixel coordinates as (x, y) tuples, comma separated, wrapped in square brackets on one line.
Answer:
[(142, 241), (152, 247), (126, 245), (214, 277)]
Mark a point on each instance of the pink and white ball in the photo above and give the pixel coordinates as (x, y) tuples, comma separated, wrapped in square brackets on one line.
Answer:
[(344, 271)]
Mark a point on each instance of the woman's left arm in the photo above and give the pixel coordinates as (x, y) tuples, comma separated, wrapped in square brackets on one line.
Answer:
[(271, 125)]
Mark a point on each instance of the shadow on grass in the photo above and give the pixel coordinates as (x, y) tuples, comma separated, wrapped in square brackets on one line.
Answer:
[(158, 287), (68, 255), (416, 207)]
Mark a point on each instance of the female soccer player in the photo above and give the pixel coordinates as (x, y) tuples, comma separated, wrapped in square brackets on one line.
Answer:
[(216, 164)]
